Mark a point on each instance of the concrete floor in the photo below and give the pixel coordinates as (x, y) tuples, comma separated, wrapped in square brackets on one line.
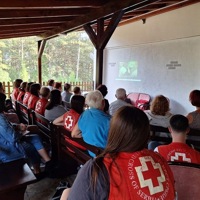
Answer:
[(45, 188)]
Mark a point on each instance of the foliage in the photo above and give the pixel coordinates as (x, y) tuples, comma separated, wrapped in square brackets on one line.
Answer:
[(65, 58)]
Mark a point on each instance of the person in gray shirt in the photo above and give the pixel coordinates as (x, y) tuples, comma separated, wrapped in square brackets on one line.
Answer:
[(121, 97)]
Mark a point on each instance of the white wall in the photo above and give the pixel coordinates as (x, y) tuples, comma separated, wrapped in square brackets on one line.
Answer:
[(164, 39)]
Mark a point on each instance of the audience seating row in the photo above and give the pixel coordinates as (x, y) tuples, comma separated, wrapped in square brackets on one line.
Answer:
[(56, 136), (193, 136)]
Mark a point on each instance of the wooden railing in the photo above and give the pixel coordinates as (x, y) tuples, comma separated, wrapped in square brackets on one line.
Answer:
[(85, 86)]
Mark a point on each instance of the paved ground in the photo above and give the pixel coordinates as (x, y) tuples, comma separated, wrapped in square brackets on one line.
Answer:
[(45, 188)]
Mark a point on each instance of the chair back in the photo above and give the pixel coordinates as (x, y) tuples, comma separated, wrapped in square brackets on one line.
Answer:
[(187, 180)]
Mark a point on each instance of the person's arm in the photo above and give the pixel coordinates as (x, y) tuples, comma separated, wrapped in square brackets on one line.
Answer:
[(59, 120), (82, 188), (76, 132)]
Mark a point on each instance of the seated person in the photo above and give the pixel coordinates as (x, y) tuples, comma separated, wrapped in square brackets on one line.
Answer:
[(19, 144), (125, 169), (34, 90), (66, 94), (194, 117), (27, 94), (58, 86), (70, 118), (76, 91), (121, 97), (42, 102), (16, 91), (159, 113), (94, 123), (178, 150), (22, 89), (104, 91), (54, 109), (50, 84)]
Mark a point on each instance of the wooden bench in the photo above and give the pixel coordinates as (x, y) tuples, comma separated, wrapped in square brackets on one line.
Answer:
[(23, 113), (14, 178), (193, 136), (47, 132), (65, 147)]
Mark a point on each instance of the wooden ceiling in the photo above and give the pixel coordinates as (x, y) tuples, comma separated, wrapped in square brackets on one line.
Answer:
[(49, 18)]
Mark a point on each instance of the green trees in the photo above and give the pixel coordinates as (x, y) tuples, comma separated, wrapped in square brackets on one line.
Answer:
[(65, 58)]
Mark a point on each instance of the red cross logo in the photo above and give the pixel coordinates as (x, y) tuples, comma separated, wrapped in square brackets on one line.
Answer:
[(180, 157), (150, 174), (68, 122)]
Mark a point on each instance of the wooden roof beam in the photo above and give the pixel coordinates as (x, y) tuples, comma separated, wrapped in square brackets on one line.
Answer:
[(45, 4), (105, 10), (12, 14), (52, 20)]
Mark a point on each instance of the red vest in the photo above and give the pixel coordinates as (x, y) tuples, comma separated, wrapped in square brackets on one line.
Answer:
[(144, 175), (32, 102), (15, 93), (26, 97), (20, 96), (179, 152), (70, 119), (40, 106)]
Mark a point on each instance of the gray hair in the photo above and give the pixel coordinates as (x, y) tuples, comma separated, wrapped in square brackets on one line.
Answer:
[(94, 99), (120, 93)]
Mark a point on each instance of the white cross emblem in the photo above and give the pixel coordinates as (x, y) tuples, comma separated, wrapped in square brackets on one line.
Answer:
[(148, 182), (180, 155), (38, 105), (68, 122)]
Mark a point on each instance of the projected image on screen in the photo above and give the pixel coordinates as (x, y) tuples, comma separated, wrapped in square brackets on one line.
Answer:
[(128, 71)]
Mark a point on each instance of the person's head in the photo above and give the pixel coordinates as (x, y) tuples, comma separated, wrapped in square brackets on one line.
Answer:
[(58, 85), (35, 88), (129, 131), (120, 93), (77, 90), (45, 92), (194, 98), (17, 83), (55, 99), (67, 87), (94, 99), (179, 124), (23, 86), (2, 102), (50, 82), (160, 105), (103, 89), (78, 103), (28, 86)]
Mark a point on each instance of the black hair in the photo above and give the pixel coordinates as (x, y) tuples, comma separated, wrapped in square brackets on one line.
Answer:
[(77, 103), (55, 99), (179, 123)]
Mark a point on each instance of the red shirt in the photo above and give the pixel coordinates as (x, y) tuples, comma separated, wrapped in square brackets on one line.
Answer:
[(20, 96), (179, 152), (70, 119), (26, 97), (40, 105), (143, 175), (32, 101)]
